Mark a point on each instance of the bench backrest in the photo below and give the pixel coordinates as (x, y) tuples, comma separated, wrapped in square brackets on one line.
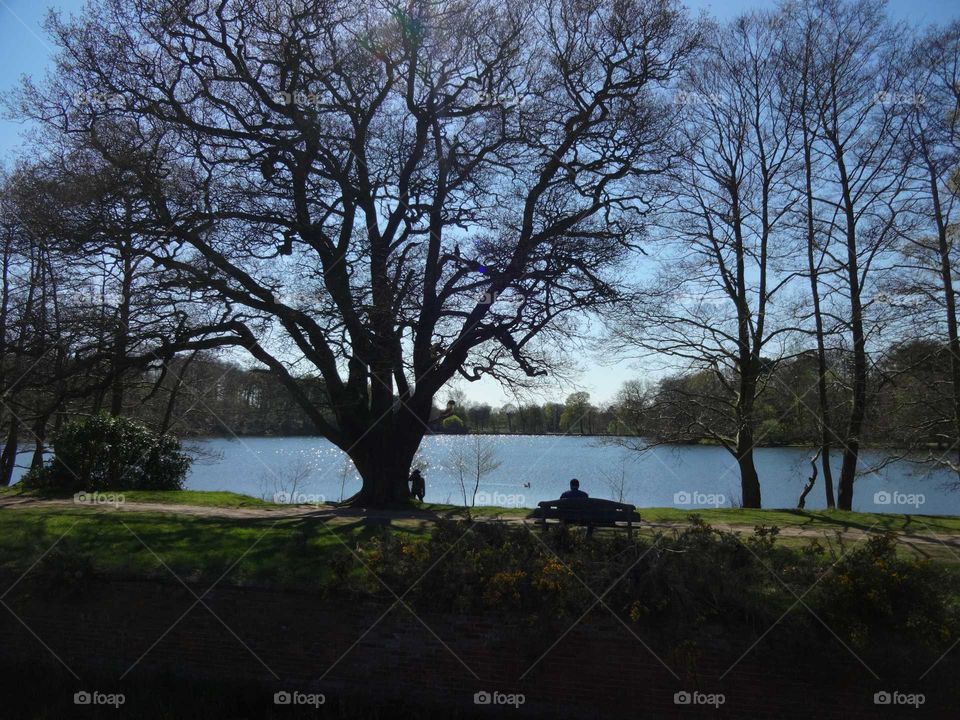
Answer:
[(586, 509)]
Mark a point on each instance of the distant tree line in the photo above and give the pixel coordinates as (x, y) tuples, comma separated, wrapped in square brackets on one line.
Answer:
[(909, 389), (575, 416)]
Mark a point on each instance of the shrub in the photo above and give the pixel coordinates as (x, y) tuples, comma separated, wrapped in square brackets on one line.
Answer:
[(692, 585), (454, 424), (872, 593), (111, 453)]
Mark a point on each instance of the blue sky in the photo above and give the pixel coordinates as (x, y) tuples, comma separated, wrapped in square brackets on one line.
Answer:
[(25, 50)]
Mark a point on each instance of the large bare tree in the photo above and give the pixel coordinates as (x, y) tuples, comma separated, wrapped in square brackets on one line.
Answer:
[(390, 193), (856, 74), (709, 306), (931, 145)]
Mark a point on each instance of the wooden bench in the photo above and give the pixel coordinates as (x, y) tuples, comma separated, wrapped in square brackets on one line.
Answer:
[(592, 512)]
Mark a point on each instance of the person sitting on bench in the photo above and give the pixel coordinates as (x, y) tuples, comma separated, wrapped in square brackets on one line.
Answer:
[(574, 491)]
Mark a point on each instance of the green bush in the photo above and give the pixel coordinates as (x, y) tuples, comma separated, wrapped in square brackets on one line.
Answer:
[(111, 453), (454, 424), (691, 584), (872, 592)]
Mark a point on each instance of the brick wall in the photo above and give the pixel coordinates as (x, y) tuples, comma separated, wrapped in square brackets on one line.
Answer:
[(596, 669)]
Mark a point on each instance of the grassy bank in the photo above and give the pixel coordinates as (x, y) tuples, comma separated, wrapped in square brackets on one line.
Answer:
[(291, 552), (314, 552), (302, 550), (789, 517), (202, 498)]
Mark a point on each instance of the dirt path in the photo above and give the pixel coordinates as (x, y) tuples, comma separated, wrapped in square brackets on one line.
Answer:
[(949, 542)]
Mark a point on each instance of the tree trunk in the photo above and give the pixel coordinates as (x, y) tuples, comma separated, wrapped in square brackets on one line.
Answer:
[(178, 374), (749, 480), (383, 458), (121, 333), (8, 458), (851, 450), (823, 419), (950, 300), (802, 502), (40, 434)]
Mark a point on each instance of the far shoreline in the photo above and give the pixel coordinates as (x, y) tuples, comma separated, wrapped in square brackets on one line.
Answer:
[(704, 443)]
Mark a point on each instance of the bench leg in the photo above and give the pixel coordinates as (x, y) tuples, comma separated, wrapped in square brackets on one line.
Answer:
[(589, 529)]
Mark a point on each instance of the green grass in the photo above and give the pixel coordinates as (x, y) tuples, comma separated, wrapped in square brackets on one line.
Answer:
[(294, 552), (204, 498), (814, 519), (297, 551), (312, 553), (810, 519)]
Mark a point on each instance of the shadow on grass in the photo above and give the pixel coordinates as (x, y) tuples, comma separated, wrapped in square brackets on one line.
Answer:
[(294, 552)]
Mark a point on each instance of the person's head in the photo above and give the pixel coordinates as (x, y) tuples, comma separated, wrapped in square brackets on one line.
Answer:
[(574, 484), (417, 473)]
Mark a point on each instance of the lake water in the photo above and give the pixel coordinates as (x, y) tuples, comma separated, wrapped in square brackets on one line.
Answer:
[(685, 476)]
